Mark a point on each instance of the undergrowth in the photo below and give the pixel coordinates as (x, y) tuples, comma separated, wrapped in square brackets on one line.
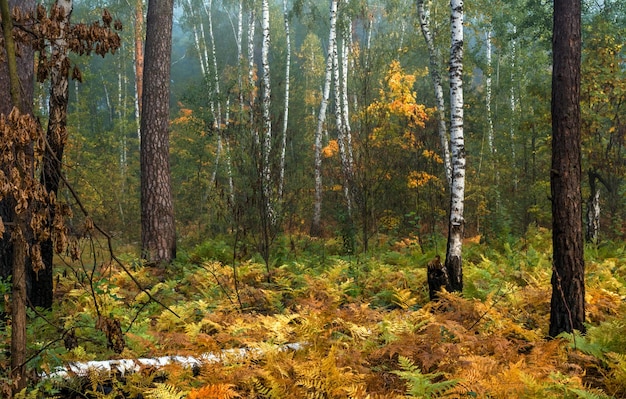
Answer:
[(362, 324)]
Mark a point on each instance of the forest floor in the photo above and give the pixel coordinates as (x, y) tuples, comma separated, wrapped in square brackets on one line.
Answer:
[(327, 325)]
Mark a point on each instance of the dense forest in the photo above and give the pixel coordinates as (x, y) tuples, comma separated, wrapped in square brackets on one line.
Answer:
[(322, 160)]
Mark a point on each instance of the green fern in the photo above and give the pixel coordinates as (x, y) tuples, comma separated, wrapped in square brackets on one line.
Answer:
[(164, 391), (420, 385), (582, 394), (583, 344)]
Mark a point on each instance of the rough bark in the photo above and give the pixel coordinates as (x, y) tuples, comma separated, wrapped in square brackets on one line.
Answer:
[(158, 233), (567, 310), (56, 136), (457, 146), (18, 238), (25, 71)]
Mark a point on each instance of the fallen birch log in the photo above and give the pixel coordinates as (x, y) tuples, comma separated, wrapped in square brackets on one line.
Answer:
[(123, 366)]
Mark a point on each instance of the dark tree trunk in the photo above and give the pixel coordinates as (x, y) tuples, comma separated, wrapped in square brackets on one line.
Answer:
[(437, 277), (158, 232), (41, 288), (567, 311), (25, 70)]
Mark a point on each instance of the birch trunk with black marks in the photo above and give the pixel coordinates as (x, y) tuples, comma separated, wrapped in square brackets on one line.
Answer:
[(457, 146), (321, 119), (424, 16), (283, 146)]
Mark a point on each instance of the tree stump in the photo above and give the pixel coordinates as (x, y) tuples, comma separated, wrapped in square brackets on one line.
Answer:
[(437, 277)]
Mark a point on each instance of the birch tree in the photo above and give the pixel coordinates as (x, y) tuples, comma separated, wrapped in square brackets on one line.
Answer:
[(138, 58), (283, 147), (424, 17), (321, 119), (453, 262)]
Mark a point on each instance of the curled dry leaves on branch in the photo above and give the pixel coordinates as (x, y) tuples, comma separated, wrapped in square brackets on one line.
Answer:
[(22, 141), (40, 29)]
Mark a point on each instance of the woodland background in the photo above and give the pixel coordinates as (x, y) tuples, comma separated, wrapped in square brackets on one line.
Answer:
[(401, 177)]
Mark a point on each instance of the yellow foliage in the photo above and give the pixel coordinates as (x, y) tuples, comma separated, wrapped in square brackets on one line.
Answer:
[(214, 391), (331, 149), (419, 179)]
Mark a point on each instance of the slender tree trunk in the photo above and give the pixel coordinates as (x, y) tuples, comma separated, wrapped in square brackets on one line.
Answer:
[(341, 128), (424, 16), (593, 209), (25, 71), (457, 144), (266, 103), (18, 309), (158, 235), (317, 206), (252, 75), (345, 105), (138, 55), (488, 93), (567, 307), (283, 147), (56, 136)]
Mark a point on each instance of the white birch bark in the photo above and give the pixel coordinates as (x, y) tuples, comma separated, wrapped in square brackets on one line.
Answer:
[(457, 147), (345, 55), (138, 63), (283, 147), (490, 137), (266, 103), (341, 129), (317, 206), (424, 16), (251, 73), (513, 105)]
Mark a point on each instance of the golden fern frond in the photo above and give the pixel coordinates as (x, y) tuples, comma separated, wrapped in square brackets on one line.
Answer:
[(214, 391), (268, 388), (164, 391), (617, 365), (403, 297)]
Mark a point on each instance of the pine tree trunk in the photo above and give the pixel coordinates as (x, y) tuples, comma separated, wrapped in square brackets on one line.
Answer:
[(567, 307), (457, 145), (316, 229), (158, 235)]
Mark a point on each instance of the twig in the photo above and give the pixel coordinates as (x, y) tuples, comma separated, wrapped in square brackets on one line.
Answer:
[(110, 246)]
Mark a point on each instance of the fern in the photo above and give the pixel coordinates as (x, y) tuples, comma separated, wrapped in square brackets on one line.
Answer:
[(404, 298), (164, 391), (420, 385), (583, 394), (583, 344), (214, 391)]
